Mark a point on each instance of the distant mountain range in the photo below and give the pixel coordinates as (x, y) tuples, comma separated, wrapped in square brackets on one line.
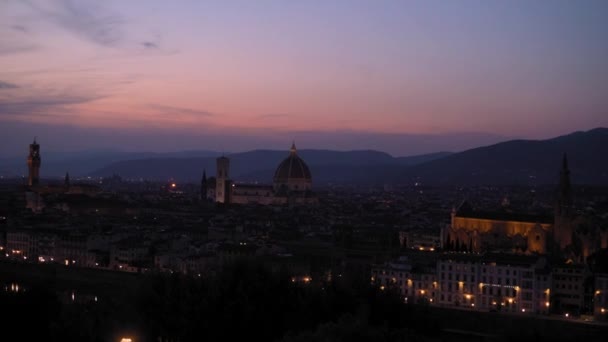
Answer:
[(259, 166), (83, 163), (532, 162), (522, 162)]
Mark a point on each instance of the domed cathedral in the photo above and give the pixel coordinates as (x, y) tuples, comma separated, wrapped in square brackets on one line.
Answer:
[(574, 237), (292, 175), (292, 184)]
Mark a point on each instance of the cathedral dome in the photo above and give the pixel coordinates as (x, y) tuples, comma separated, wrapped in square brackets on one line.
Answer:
[(293, 173)]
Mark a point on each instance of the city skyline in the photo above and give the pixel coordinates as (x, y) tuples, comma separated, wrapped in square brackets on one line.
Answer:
[(405, 78), (377, 170)]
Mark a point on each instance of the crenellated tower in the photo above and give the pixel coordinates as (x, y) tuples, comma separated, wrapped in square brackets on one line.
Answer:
[(33, 164)]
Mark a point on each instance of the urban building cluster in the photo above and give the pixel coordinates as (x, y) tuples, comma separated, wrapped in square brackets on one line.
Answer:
[(508, 262), (514, 258)]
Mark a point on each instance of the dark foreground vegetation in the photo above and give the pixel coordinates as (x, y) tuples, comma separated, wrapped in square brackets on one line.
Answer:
[(247, 301)]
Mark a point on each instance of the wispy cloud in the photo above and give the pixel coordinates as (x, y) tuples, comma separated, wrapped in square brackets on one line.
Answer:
[(7, 48), (170, 111), (41, 105), (149, 45), (19, 28), (271, 116), (26, 102), (93, 22), (85, 19), (7, 85)]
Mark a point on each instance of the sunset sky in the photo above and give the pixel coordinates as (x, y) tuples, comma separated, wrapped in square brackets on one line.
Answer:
[(404, 77)]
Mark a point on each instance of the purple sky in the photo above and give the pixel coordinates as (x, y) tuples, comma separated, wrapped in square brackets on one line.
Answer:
[(405, 77)]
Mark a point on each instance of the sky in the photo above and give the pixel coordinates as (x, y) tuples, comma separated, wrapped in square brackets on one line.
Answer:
[(405, 77)]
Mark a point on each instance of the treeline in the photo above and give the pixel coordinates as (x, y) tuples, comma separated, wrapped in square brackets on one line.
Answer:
[(243, 301)]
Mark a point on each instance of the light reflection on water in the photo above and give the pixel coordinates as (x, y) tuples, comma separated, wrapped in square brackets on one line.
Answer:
[(67, 296), (13, 287)]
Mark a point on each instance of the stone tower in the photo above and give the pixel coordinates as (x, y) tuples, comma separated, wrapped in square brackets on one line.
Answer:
[(204, 186), (562, 229), (222, 186), (33, 164)]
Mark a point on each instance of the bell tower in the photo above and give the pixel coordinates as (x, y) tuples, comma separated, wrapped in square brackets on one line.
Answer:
[(562, 229), (222, 186), (33, 164), (204, 186)]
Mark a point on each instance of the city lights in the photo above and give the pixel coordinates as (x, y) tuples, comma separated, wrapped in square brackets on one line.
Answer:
[(447, 151)]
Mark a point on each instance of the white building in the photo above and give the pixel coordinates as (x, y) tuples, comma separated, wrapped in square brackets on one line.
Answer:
[(484, 282), (600, 296)]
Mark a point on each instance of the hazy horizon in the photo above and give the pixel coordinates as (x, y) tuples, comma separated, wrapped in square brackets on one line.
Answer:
[(18, 136), (397, 145)]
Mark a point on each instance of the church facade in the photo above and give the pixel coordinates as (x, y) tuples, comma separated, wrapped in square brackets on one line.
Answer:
[(292, 184), (565, 233)]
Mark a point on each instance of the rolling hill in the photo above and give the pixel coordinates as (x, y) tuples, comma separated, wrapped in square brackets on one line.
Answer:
[(521, 162)]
